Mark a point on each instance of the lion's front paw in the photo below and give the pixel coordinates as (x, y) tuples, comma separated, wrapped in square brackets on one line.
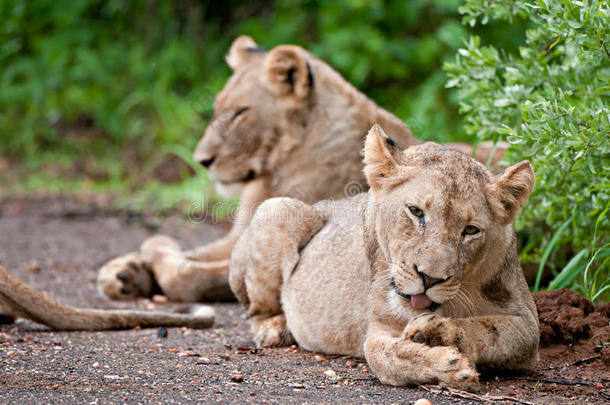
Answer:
[(271, 332), (434, 330), (454, 368), (125, 278)]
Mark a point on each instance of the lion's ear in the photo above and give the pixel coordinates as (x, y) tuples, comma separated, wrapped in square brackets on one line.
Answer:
[(510, 191), (381, 158), (241, 50), (287, 72)]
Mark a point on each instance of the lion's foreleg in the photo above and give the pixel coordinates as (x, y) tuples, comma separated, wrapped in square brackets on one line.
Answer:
[(499, 341), (264, 256), (254, 193), (399, 361)]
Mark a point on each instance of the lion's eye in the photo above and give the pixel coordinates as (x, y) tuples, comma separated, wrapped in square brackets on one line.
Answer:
[(416, 211), (239, 112), (470, 230)]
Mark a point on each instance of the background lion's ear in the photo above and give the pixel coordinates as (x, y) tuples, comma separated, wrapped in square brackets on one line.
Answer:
[(287, 73), (510, 191), (381, 158), (241, 50)]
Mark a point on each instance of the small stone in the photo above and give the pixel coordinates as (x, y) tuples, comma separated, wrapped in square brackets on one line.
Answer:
[(140, 372), (422, 401), (162, 332), (237, 378), (330, 373), (160, 299), (351, 363), (96, 365), (55, 387), (599, 386), (10, 353), (319, 359), (203, 360)]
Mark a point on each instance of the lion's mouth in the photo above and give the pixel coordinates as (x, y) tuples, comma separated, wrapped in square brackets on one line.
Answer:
[(419, 301), (251, 175)]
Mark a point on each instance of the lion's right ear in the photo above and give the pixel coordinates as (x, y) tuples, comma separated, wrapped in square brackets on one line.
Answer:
[(381, 159), (508, 192), (287, 73), (241, 50)]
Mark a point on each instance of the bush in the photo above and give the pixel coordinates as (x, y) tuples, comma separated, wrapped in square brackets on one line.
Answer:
[(550, 101)]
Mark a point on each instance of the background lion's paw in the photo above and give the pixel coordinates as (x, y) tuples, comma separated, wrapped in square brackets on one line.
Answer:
[(155, 247), (125, 278)]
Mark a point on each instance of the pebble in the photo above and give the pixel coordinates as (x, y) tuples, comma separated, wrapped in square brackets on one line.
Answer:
[(237, 378), (162, 332), (422, 401), (319, 359), (330, 373), (160, 299), (96, 365), (351, 363)]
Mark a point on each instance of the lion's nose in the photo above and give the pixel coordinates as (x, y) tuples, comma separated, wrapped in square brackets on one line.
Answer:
[(428, 281), (207, 162)]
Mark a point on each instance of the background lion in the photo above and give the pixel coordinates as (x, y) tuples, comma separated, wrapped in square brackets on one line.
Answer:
[(420, 275), (286, 124)]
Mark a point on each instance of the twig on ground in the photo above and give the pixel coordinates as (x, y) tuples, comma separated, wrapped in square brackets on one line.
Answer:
[(585, 360), (574, 363), (552, 380), (437, 389)]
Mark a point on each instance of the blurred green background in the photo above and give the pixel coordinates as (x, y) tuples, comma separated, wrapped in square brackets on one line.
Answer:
[(112, 96)]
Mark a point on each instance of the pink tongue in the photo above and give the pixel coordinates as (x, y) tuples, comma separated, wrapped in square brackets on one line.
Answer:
[(420, 301)]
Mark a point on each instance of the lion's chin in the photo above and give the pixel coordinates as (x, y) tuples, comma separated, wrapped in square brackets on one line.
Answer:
[(228, 190)]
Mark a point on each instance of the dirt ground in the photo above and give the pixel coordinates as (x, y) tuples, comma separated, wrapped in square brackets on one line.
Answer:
[(57, 244)]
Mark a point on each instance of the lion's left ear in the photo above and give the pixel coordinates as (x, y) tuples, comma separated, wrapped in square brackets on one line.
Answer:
[(510, 191), (287, 72), (381, 159), (242, 48)]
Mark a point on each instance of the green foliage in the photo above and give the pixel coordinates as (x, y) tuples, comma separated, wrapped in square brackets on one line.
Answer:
[(551, 102), (98, 93)]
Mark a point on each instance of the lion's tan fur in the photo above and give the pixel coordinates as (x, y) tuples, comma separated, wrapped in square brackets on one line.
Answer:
[(18, 299), (285, 125), (349, 276)]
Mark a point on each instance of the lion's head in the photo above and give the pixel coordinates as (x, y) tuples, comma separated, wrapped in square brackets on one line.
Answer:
[(439, 219), (254, 112)]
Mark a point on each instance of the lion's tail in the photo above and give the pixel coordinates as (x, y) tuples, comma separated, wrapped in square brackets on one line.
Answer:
[(27, 302)]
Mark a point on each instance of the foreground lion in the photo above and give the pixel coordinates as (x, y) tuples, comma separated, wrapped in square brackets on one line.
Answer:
[(285, 125), (420, 275)]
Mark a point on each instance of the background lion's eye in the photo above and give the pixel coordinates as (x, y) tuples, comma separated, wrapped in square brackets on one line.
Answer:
[(239, 112), (416, 211), (471, 230)]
